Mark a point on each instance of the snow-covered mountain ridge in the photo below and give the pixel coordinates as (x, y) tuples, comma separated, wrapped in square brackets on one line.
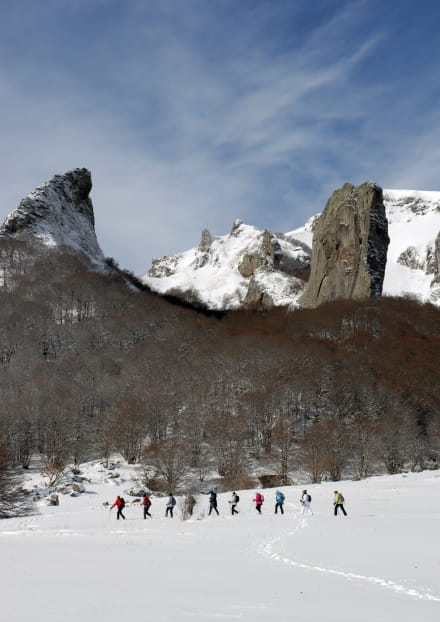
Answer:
[(248, 267), (215, 273)]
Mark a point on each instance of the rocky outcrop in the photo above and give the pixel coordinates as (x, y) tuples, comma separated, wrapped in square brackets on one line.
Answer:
[(437, 255), (263, 256), (428, 263), (411, 259), (205, 242), (203, 250), (58, 213), (350, 243), (435, 284), (257, 297)]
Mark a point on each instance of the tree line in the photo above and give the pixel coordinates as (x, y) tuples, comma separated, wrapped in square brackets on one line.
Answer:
[(90, 365)]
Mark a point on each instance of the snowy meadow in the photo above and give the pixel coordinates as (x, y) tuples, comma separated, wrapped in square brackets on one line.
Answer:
[(76, 561)]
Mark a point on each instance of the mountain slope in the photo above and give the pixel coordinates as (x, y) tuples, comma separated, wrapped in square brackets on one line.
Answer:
[(214, 272), (414, 226), (246, 267)]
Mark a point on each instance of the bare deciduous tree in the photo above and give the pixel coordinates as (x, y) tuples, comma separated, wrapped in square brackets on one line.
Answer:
[(13, 502), (167, 460), (127, 427)]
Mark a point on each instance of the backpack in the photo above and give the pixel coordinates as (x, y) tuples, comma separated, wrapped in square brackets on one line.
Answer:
[(122, 505), (173, 501), (341, 498), (309, 498), (237, 498)]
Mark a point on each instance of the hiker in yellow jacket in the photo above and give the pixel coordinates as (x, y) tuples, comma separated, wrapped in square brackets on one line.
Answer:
[(338, 502)]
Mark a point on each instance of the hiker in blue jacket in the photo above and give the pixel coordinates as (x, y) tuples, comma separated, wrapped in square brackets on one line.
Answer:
[(279, 497), (171, 502)]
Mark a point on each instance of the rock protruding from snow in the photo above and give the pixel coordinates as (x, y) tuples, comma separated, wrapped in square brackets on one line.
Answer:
[(58, 213), (258, 257), (247, 268), (435, 284), (437, 256), (350, 243), (205, 242)]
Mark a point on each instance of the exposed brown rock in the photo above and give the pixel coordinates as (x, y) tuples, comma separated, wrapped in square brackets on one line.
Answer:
[(263, 257), (350, 243)]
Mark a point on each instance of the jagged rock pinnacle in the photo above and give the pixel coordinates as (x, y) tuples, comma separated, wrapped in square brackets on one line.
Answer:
[(350, 243), (58, 213)]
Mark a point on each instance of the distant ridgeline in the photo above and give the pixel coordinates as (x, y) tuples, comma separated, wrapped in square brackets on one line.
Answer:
[(366, 242)]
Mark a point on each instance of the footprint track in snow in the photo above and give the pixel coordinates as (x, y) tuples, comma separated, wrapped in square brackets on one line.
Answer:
[(268, 551)]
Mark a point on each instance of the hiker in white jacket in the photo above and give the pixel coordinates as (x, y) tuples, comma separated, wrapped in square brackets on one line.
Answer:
[(305, 502)]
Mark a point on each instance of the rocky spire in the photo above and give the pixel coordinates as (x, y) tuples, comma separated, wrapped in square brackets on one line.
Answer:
[(350, 245), (435, 284), (205, 242), (58, 213)]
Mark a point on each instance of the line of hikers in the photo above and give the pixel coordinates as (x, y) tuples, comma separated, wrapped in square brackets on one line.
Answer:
[(189, 503)]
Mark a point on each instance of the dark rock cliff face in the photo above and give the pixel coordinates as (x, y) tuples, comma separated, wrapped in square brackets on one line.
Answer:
[(350, 245), (72, 189)]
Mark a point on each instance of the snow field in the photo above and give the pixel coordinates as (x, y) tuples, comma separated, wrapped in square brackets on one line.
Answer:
[(382, 562)]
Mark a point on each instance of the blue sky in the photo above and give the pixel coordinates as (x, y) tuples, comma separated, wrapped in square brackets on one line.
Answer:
[(191, 113)]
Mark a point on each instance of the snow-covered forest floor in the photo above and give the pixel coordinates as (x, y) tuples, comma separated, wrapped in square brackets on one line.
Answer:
[(76, 562)]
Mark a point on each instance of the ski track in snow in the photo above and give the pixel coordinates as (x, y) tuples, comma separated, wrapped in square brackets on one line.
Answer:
[(267, 551)]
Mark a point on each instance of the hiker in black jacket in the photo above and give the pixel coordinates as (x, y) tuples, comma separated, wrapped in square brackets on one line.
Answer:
[(212, 501)]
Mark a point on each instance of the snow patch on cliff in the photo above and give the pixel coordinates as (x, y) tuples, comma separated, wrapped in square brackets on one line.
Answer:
[(413, 223)]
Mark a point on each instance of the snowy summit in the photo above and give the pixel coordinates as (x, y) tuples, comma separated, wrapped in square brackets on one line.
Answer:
[(247, 266)]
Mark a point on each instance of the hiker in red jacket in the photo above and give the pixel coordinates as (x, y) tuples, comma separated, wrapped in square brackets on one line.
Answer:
[(259, 499), (147, 504), (120, 504)]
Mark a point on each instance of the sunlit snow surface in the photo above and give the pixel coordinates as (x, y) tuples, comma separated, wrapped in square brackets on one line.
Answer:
[(413, 221), (215, 277), (380, 563)]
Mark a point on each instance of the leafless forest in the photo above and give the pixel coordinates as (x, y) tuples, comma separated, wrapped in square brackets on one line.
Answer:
[(89, 366)]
